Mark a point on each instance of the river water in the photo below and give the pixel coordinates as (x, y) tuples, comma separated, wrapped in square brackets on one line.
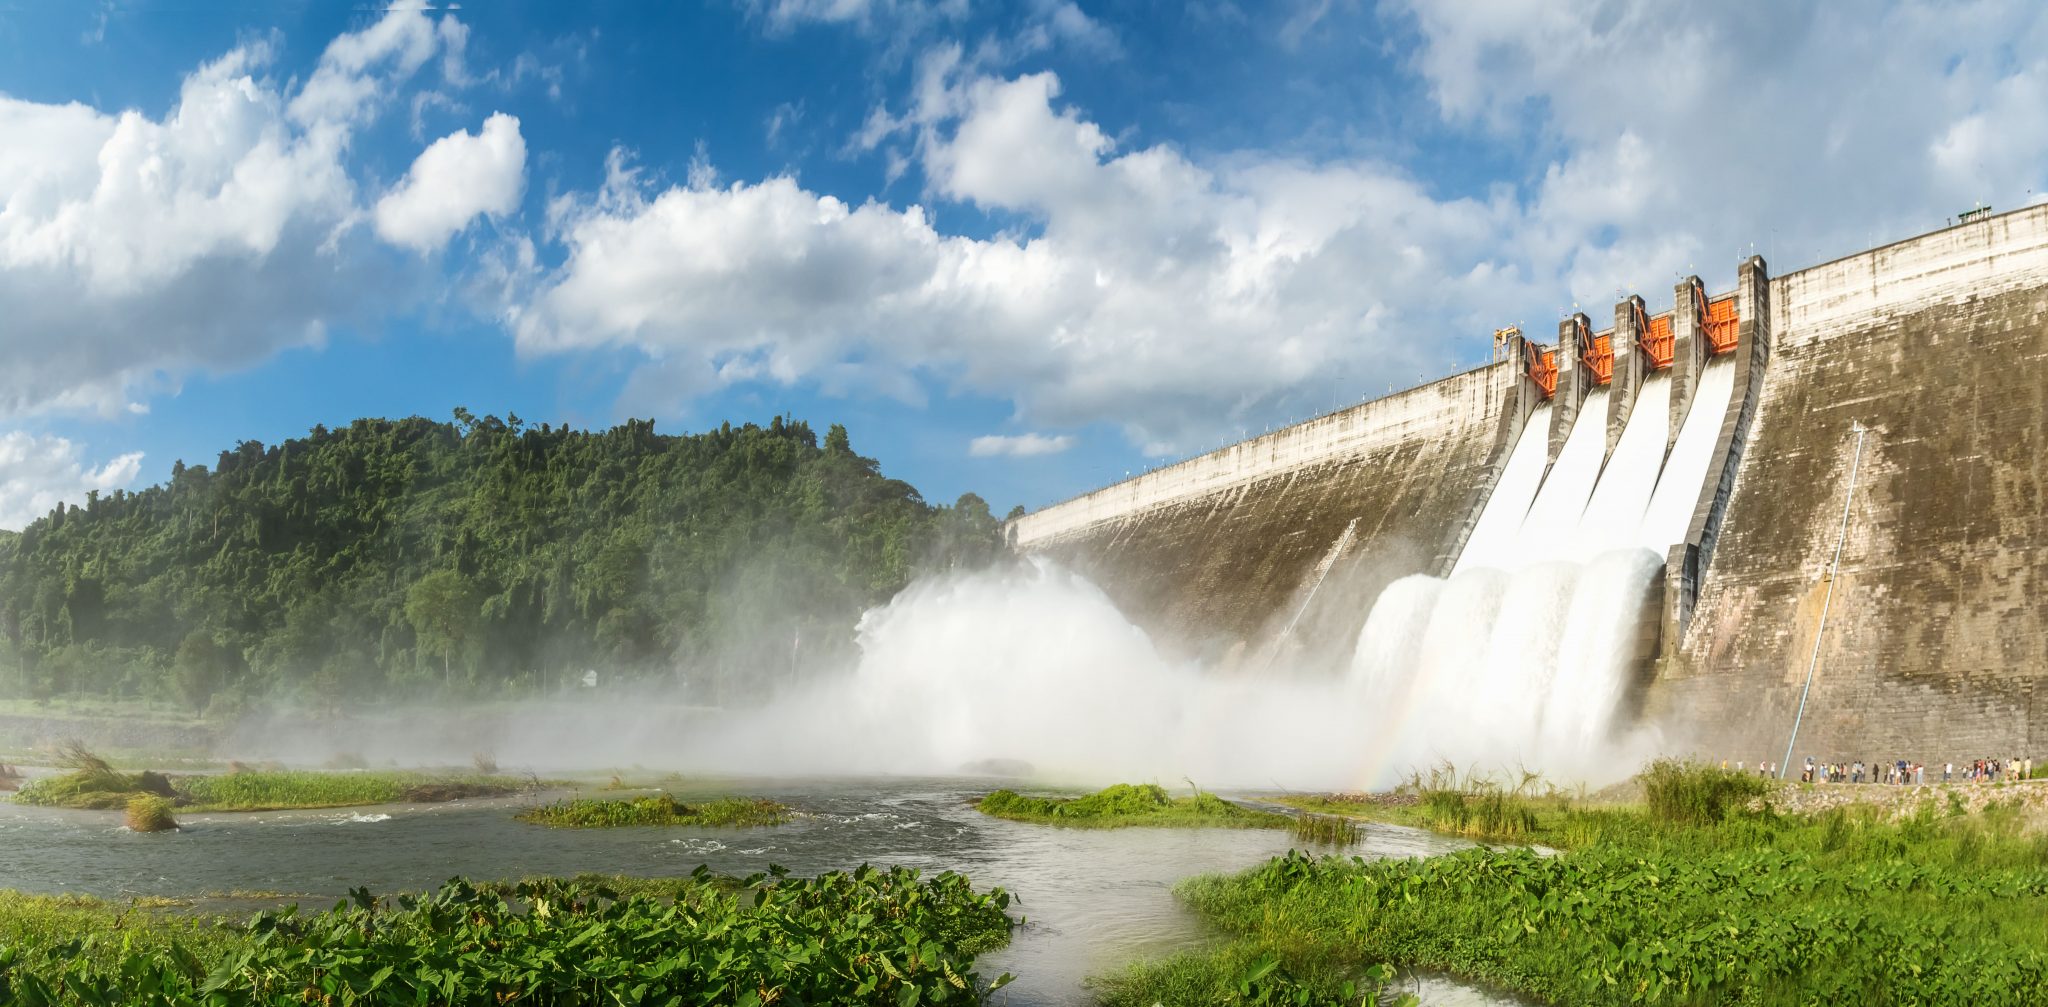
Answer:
[(1092, 899)]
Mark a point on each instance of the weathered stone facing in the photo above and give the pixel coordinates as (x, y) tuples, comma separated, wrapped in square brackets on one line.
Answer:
[(1216, 555), (1688, 353), (1937, 642), (1630, 368)]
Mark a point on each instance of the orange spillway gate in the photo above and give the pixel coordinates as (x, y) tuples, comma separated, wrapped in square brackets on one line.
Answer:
[(1543, 369), (1719, 323), (1597, 354), (1654, 336)]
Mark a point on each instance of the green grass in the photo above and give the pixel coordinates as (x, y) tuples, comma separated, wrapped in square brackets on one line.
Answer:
[(658, 809), (1695, 897), (93, 784), (866, 936), (286, 789), (1127, 805)]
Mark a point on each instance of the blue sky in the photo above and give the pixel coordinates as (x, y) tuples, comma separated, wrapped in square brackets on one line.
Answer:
[(1018, 249)]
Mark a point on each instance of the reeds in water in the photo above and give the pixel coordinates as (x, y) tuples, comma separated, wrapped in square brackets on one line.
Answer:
[(1331, 830), (150, 813)]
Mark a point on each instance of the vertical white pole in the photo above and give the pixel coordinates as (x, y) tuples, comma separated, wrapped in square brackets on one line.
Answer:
[(1827, 600)]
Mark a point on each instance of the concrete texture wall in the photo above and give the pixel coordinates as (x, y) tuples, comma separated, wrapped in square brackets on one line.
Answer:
[(1216, 556), (1936, 647), (1631, 367)]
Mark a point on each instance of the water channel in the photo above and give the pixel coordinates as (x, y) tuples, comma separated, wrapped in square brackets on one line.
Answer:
[(1092, 899)]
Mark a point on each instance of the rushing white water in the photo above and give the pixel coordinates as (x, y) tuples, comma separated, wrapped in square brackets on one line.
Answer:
[(1519, 670), (1494, 535), (1547, 533), (1623, 493), (1524, 656), (1685, 472)]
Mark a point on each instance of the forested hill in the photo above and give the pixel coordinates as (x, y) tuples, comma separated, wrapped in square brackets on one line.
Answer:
[(484, 557)]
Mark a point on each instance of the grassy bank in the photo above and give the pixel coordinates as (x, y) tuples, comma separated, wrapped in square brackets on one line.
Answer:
[(284, 789), (1695, 896), (1126, 805), (93, 784), (659, 809), (766, 939)]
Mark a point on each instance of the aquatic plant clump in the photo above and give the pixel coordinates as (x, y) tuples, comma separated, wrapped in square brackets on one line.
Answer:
[(150, 813), (92, 783), (658, 809), (1125, 805), (866, 936)]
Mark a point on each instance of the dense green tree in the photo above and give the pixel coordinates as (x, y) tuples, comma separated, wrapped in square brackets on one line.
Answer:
[(383, 557), (442, 607), (200, 668)]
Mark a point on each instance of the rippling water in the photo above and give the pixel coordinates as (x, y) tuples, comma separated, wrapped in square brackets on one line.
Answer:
[(1093, 899)]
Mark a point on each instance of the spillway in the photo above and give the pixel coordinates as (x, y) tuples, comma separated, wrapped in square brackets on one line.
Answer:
[(1499, 527), (1524, 654), (1553, 519), (1626, 483), (1678, 491)]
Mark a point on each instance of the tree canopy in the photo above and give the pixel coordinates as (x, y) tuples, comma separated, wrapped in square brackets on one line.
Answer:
[(484, 556)]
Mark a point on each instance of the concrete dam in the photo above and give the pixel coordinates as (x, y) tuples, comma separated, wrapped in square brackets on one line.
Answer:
[(1451, 532)]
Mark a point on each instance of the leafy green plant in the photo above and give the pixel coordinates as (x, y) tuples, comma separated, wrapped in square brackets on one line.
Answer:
[(1704, 900), (866, 936)]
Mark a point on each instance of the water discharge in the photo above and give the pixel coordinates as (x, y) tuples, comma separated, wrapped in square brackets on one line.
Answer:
[(1548, 532), (1500, 522), (1631, 473), (1671, 507), (1524, 657)]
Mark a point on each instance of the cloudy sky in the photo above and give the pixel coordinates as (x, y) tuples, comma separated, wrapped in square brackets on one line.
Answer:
[(1018, 249)]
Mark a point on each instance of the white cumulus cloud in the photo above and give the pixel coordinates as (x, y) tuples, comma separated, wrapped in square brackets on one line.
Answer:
[(1018, 446), (37, 473), (456, 179), (135, 249), (1169, 296)]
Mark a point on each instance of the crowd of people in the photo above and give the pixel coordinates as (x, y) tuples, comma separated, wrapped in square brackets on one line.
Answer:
[(1898, 772)]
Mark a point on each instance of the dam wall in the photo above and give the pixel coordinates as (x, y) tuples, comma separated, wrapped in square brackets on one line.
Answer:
[(1242, 553), (1935, 644), (1936, 640)]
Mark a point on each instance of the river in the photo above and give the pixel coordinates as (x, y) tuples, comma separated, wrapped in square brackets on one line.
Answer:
[(1092, 899)]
